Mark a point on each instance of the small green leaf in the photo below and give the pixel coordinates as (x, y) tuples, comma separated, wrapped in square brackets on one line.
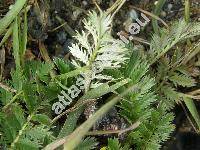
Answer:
[(7, 35), (113, 144), (62, 65), (24, 37), (41, 118), (182, 79), (87, 144)]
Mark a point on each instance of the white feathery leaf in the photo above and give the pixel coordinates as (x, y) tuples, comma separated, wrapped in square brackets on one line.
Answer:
[(103, 77), (97, 48), (74, 62), (79, 53), (83, 41)]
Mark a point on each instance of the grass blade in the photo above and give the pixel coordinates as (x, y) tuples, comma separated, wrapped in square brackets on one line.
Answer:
[(24, 37), (16, 43), (193, 110), (103, 89), (11, 15), (157, 11), (75, 138), (187, 11), (6, 36)]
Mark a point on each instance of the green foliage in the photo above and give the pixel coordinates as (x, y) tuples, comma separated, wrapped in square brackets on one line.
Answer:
[(182, 80), (23, 123), (87, 143), (153, 131), (172, 71), (142, 100), (138, 106), (157, 11), (114, 144), (179, 31), (173, 74), (63, 66)]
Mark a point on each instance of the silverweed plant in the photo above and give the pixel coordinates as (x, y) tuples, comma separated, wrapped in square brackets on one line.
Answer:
[(115, 74)]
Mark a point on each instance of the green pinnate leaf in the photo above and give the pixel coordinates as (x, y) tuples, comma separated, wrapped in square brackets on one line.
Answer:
[(41, 118), (182, 80)]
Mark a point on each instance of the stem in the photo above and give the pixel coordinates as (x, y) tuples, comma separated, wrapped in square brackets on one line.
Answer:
[(114, 6), (193, 52), (94, 1), (191, 96), (72, 73), (7, 88), (72, 140), (194, 92), (118, 8), (7, 35), (46, 57), (66, 26), (187, 11), (166, 49), (160, 85), (155, 17), (21, 132), (132, 127), (157, 11), (13, 99)]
